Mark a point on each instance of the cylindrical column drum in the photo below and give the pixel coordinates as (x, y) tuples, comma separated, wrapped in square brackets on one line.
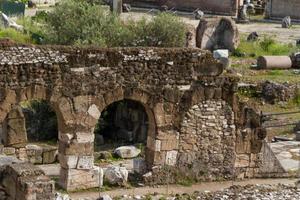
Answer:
[(274, 62)]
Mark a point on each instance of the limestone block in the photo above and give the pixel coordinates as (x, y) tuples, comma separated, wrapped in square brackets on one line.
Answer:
[(76, 162), (242, 160), (116, 175), (94, 111), (66, 137), (171, 158), (85, 162), (159, 114), (14, 130), (49, 154), (127, 151), (139, 165), (74, 179), (34, 153), (22, 154), (153, 144), (83, 137), (68, 161), (75, 148), (9, 151)]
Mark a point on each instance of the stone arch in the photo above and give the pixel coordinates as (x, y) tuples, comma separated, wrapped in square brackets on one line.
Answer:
[(145, 99), (11, 98), (207, 141), (79, 116)]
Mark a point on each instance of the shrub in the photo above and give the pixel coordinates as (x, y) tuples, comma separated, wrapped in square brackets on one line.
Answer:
[(165, 30), (82, 23)]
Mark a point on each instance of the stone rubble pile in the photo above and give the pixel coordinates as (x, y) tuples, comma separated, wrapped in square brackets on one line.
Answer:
[(248, 192), (265, 192)]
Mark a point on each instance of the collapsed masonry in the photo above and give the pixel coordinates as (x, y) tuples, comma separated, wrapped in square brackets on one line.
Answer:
[(23, 181), (195, 123)]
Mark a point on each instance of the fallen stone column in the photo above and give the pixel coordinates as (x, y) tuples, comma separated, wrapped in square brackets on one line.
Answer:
[(274, 62)]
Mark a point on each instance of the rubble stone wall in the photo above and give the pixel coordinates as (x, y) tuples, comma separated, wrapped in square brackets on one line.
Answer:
[(79, 83), (207, 140)]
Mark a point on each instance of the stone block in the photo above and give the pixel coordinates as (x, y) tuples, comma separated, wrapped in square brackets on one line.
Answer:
[(168, 145), (75, 148), (242, 160), (83, 137), (171, 158), (68, 161), (74, 179), (139, 165), (85, 162), (34, 153), (94, 112), (76, 162), (22, 154), (14, 129), (9, 151), (49, 154), (159, 114)]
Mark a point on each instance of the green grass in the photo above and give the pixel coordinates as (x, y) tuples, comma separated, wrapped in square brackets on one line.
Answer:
[(15, 35), (266, 46)]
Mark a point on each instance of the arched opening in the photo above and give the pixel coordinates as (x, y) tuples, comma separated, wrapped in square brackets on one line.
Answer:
[(121, 137), (41, 122), (123, 122), (30, 132)]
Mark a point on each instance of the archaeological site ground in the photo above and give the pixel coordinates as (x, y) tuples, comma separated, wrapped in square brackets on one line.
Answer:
[(149, 100)]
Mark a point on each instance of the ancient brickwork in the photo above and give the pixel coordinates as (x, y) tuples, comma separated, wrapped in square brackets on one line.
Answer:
[(79, 83)]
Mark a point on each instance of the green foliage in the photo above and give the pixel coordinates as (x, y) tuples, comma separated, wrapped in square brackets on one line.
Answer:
[(165, 30), (15, 35), (82, 23), (267, 46), (33, 28), (41, 121)]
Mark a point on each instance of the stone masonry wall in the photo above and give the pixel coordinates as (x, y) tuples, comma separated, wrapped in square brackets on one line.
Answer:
[(207, 146), (79, 83)]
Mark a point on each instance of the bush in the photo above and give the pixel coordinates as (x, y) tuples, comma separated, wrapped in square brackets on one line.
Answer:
[(165, 30), (82, 23)]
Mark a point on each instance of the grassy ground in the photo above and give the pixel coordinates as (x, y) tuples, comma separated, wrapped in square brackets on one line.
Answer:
[(244, 60)]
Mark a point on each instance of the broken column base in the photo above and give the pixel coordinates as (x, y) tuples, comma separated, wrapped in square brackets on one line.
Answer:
[(77, 179)]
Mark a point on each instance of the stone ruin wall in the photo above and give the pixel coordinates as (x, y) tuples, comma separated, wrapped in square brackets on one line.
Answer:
[(182, 90), (278, 9), (221, 7)]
